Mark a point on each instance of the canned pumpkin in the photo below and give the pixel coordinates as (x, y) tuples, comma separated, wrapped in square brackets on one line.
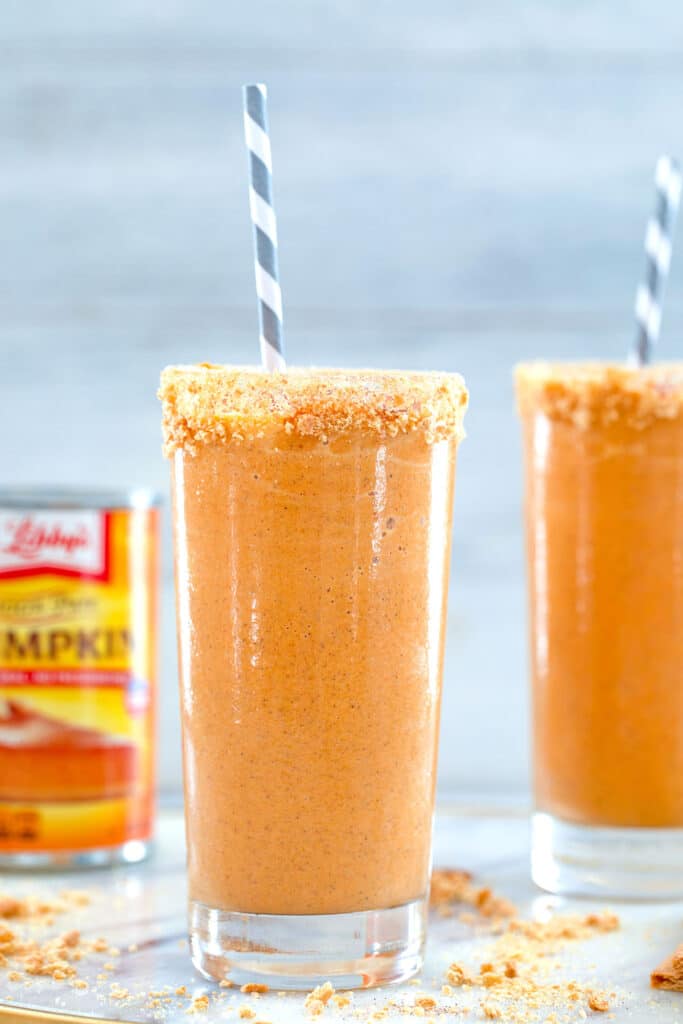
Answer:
[(78, 611)]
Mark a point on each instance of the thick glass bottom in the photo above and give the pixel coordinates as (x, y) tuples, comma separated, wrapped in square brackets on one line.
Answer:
[(591, 860), (357, 950), (131, 852)]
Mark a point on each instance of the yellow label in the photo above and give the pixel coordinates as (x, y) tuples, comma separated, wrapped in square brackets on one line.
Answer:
[(77, 677)]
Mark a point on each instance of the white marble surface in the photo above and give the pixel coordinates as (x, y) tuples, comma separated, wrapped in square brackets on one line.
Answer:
[(144, 907)]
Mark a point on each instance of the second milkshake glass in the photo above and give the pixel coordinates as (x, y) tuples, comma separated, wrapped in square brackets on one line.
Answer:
[(312, 516), (604, 517)]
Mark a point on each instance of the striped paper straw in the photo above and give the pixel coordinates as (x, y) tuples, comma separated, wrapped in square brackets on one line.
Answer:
[(265, 229), (658, 245)]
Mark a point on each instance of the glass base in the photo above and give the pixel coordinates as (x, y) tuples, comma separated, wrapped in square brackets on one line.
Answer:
[(131, 852), (621, 863), (358, 950)]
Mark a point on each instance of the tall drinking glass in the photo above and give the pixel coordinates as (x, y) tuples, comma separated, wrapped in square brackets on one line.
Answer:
[(604, 522), (312, 514)]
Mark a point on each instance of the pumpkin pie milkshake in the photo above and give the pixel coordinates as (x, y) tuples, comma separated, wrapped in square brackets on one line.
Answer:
[(312, 515), (604, 515)]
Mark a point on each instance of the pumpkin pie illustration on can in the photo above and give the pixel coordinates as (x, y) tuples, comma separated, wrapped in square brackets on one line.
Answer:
[(49, 760)]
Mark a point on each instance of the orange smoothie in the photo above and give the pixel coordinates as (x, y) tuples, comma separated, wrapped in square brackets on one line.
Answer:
[(604, 515), (312, 518)]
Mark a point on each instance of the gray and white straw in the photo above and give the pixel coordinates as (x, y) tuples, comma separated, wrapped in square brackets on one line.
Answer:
[(265, 229), (658, 246)]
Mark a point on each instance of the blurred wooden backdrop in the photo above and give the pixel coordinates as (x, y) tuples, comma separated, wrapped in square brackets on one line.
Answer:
[(459, 185)]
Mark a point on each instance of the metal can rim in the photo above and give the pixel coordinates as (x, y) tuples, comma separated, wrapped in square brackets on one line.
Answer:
[(71, 498)]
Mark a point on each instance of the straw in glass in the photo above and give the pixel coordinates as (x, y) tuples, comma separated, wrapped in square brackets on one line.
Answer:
[(658, 245), (265, 229)]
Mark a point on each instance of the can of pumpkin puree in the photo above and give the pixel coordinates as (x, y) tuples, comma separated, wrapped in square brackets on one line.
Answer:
[(78, 620)]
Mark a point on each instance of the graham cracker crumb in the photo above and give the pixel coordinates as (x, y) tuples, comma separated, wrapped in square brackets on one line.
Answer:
[(246, 1013), (598, 1003), (457, 975), (317, 1000), (24, 953), (523, 971), (226, 983), (669, 974), (11, 907), (605, 921), (199, 1004), (567, 927), (425, 1002), (490, 905), (253, 986), (206, 404), (449, 885), (453, 885), (585, 395)]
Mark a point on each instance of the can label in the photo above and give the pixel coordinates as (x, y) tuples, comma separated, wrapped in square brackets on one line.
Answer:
[(77, 677)]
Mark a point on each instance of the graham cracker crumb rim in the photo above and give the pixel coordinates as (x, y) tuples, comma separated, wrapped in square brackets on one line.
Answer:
[(216, 404), (595, 393)]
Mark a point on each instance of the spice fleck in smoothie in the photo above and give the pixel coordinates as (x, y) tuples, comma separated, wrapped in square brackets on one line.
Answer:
[(604, 469), (312, 532)]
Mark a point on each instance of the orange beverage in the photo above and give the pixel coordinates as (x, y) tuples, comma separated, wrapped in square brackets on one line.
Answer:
[(312, 514), (604, 514)]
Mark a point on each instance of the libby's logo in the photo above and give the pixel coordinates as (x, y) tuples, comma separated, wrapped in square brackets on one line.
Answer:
[(64, 543), (30, 540)]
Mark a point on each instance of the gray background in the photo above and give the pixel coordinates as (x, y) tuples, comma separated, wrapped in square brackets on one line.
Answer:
[(459, 185)]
